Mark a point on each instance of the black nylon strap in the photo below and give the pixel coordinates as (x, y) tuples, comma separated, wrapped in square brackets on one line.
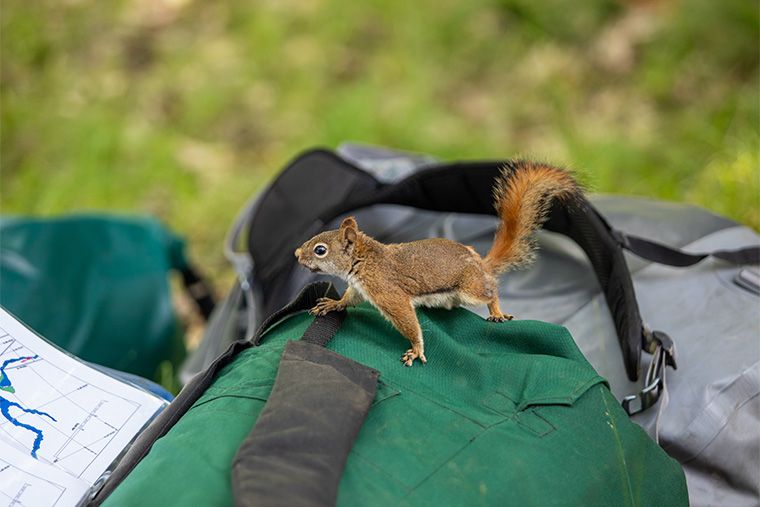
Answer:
[(663, 254), (591, 232), (305, 300), (324, 327)]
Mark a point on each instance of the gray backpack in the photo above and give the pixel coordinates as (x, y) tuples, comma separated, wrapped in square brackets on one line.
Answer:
[(706, 414)]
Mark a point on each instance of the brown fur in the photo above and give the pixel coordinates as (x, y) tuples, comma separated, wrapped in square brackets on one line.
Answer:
[(438, 272), (522, 197)]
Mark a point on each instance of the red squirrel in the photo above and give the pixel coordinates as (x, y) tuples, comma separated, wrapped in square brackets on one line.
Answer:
[(438, 272)]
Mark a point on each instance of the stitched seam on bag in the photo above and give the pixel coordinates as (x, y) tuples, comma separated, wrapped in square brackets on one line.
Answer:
[(439, 404), (388, 391), (239, 387), (358, 455), (562, 400), (514, 419), (214, 398), (728, 420), (621, 451), (443, 464), (526, 425)]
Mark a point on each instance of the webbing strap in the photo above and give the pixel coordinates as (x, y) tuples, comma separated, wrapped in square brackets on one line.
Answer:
[(324, 327), (305, 300), (663, 254), (663, 351)]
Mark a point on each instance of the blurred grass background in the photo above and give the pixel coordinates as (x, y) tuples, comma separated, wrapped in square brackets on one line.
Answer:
[(183, 108)]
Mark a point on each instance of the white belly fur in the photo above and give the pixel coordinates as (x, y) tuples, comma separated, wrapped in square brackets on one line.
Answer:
[(446, 300)]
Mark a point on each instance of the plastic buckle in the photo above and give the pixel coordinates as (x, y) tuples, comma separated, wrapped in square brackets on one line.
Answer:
[(645, 398), (663, 351)]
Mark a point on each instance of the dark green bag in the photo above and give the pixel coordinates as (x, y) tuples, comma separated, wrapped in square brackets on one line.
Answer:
[(97, 286), (503, 414)]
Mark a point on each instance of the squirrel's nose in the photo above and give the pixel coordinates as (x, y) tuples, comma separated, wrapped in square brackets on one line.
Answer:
[(298, 253)]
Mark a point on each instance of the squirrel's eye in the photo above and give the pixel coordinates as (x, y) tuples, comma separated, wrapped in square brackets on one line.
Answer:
[(320, 250)]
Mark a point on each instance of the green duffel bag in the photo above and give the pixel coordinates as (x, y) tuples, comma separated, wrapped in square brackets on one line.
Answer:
[(502, 414), (98, 286)]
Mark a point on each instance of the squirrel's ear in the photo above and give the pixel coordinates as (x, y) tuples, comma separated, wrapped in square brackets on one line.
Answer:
[(349, 230), (349, 222)]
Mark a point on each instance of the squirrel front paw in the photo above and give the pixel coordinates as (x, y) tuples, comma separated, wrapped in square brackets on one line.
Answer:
[(325, 306)]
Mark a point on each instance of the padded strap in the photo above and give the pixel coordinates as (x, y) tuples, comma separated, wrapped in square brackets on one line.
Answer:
[(455, 187), (663, 254), (586, 226)]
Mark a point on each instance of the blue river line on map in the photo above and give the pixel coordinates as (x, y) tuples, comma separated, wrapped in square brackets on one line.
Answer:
[(6, 404)]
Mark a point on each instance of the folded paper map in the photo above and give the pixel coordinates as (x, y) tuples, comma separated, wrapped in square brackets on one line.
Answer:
[(63, 424)]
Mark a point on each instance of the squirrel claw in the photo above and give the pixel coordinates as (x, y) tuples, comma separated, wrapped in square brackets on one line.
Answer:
[(499, 318), (325, 306), (317, 311), (409, 357)]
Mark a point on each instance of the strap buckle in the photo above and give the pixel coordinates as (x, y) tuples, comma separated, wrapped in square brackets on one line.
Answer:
[(663, 351)]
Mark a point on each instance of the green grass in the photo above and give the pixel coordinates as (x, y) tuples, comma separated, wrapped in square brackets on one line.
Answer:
[(183, 109)]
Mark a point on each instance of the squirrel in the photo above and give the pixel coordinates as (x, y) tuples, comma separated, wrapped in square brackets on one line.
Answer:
[(438, 272)]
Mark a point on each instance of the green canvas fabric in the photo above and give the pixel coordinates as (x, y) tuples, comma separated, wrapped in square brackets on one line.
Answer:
[(503, 414)]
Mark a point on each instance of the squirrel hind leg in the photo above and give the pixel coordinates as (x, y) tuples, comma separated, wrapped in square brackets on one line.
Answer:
[(494, 311), (480, 288)]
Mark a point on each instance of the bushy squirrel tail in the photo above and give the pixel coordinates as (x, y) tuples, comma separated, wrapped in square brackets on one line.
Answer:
[(523, 195)]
